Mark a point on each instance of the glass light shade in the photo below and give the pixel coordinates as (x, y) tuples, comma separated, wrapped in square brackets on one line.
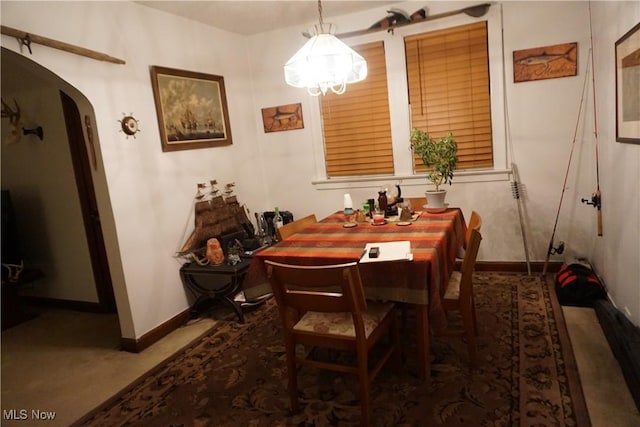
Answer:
[(323, 63)]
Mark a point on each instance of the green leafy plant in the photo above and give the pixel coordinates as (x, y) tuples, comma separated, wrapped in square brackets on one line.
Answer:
[(440, 155)]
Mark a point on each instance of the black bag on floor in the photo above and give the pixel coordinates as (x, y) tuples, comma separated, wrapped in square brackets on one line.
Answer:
[(578, 285)]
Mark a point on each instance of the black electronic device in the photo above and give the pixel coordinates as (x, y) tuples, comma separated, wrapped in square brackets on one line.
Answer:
[(287, 217), (374, 252)]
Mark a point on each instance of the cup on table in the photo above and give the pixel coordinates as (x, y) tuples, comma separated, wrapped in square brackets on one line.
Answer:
[(378, 216)]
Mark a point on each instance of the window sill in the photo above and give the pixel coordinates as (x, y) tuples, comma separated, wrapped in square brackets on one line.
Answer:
[(408, 180)]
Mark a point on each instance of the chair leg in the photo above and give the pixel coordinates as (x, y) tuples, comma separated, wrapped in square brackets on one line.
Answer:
[(292, 376), (363, 374), (395, 330), (470, 333), (475, 321), (473, 312)]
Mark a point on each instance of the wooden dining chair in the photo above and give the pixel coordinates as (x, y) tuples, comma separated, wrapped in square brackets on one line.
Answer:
[(293, 227), (416, 202), (325, 307), (459, 294), (475, 223)]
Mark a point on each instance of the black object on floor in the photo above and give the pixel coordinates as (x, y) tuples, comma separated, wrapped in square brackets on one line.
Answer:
[(578, 285), (624, 340)]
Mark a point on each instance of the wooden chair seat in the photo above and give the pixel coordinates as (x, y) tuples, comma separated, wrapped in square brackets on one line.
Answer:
[(453, 288), (341, 324)]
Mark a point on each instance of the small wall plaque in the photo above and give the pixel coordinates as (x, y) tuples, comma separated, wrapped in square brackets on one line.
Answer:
[(282, 117), (548, 62)]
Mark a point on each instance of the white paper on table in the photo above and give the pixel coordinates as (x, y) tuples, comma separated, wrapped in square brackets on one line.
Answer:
[(389, 251)]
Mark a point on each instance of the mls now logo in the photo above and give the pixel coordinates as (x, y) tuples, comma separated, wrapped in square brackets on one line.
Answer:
[(23, 414), (15, 414)]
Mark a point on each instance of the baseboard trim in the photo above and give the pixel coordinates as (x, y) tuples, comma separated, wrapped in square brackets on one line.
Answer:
[(136, 345), (86, 306), (517, 266)]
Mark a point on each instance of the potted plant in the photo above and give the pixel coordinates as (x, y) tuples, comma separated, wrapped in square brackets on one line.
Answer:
[(440, 156)]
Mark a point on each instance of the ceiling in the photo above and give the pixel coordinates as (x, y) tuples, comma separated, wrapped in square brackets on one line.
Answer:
[(253, 17)]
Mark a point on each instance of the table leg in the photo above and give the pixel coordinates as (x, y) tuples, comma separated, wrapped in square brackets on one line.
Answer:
[(422, 330), (235, 306), (224, 294)]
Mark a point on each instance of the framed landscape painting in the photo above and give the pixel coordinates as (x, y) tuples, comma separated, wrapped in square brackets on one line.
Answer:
[(628, 87), (191, 108)]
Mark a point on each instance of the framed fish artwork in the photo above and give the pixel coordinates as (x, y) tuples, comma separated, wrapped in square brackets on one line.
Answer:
[(282, 117), (548, 62), (628, 87)]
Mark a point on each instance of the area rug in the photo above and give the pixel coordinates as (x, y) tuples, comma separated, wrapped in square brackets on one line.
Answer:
[(235, 375)]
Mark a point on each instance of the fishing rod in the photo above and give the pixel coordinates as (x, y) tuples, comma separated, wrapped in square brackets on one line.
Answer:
[(596, 198), (551, 250)]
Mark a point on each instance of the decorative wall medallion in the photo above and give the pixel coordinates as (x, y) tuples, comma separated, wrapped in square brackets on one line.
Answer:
[(129, 125)]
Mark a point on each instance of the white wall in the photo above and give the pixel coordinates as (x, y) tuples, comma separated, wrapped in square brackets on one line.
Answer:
[(617, 253), (151, 192)]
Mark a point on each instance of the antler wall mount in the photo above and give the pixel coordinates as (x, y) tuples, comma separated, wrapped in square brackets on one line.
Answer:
[(15, 123), (37, 131)]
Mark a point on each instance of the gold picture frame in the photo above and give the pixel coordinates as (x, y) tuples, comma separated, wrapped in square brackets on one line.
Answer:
[(192, 109), (628, 86)]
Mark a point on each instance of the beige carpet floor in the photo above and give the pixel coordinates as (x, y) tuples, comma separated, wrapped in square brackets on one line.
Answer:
[(67, 363)]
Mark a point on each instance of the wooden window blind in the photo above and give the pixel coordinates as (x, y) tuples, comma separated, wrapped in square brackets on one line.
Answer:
[(356, 124), (448, 78)]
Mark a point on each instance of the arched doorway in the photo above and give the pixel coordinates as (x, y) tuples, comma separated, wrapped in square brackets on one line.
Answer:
[(53, 188)]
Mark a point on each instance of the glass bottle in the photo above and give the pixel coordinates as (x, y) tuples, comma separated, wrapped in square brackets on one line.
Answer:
[(277, 219), (264, 235)]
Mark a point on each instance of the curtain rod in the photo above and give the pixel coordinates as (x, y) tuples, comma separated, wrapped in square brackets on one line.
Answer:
[(27, 38)]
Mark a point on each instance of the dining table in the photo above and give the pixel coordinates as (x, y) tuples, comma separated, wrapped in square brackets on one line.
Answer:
[(419, 280)]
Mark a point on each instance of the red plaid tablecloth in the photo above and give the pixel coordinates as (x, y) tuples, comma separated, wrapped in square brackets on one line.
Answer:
[(435, 239)]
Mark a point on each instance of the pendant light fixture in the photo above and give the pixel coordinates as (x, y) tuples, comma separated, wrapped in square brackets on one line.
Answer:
[(324, 63)]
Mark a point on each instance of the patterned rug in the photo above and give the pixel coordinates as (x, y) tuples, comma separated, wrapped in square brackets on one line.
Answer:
[(235, 375)]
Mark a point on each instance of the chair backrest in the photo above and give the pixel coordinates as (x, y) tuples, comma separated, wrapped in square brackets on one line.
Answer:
[(469, 263), (294, 226), (328, 289), (475, 223), (416, 202)]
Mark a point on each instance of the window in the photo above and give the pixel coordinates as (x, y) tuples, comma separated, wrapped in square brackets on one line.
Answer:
[(439, 78), (356, 124), (448, 79)]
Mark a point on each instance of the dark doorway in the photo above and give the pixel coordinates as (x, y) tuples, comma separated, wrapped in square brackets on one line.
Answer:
[(83, 161)]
